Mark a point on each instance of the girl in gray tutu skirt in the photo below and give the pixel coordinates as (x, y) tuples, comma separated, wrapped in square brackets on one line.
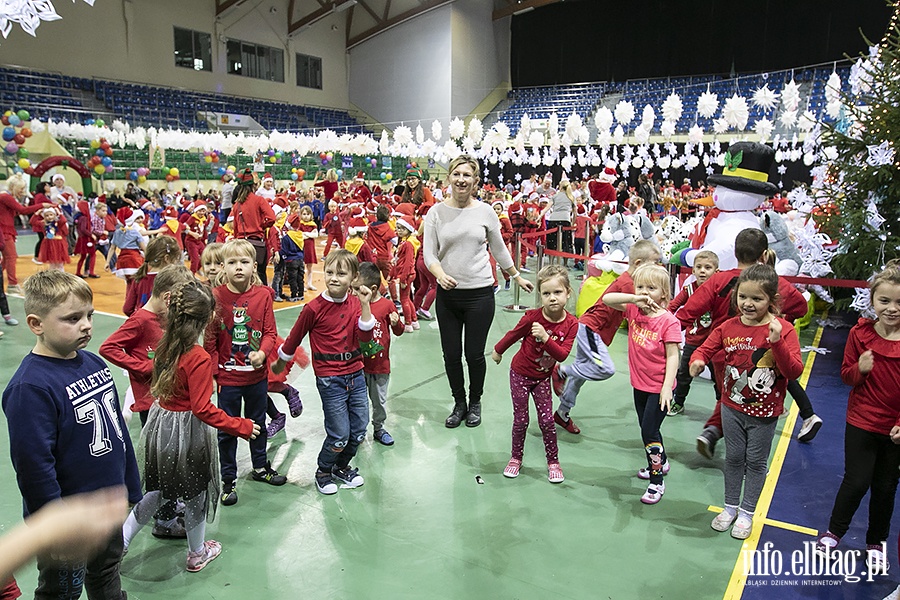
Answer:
[(179, 441)]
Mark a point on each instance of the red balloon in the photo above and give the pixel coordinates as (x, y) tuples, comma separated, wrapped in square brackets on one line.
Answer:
[(322, 155), (30, 170), (105, 145), (215, 158), (19, 139), (4, 119)]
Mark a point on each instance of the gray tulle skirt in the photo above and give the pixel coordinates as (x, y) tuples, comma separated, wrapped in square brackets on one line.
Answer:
[(181, 458)]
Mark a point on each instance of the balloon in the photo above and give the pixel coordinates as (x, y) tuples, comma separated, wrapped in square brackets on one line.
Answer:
[(99, 122), (94, 143), (99, 169), (12, 148), (100, 152), (389, 176), (340, 172), (294, 176), (5, 120), (329, 156), (324, 161), (221, 171), (24, 115), (169, 178), (383, 175), (24, 163), (14, 120), (133, 176), (301, 173), (144, 171), (374, 163), (109, 169), (215, 158), (231, 169), (108, 152), (104, 144), (22, 153), (106, 161), (26, 132), (141, 179), (19, 139), (207, 160), (408, 166), (89, 122), (322, 156), (8, 134), (173, 171)]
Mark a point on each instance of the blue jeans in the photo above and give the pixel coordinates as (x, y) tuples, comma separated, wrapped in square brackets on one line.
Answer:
[(254, 397), (346, 406)]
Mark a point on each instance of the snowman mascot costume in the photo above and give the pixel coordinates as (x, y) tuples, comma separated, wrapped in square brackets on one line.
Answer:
[(741, 188)]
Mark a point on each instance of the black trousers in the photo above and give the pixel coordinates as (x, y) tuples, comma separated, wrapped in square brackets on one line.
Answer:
[(552, 238), (278, 278), (804, 405), (650, 417), (37, 245), (471, 311), (293, 274), (99, 576), (871, 461)]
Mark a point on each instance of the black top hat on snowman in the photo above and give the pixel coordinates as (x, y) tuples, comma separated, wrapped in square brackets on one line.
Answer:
[(746, 169)]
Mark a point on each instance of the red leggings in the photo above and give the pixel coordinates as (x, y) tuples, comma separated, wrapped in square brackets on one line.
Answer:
[(9, 258), (195, 249), (87, 260), (384, 265), (339, 238), (406, 303), (426, 285)]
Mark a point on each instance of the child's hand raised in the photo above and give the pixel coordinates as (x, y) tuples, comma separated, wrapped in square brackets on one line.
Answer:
[(539, 333), (496, 357), (697, 367), (645, 303), (866, 362), (255, 432), (774, 331), (364, 293)]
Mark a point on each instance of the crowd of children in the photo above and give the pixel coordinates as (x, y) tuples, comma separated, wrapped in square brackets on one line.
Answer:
[(186, 327)]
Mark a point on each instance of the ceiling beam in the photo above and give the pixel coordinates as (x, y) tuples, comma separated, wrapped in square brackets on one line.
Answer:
[(520, 6), (370, 11), (223, 5), (386, 24), (320, 13)]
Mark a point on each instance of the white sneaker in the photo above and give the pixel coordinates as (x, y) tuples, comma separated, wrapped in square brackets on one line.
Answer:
[(654, 493), (36, 261), (809, 429), (724, 520), (311, 288), (408, 329), (743, 525), (415, 325), (424, 314), (895, 595)]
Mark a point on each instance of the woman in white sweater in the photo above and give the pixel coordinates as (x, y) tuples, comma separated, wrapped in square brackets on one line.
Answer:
[(456, 231)]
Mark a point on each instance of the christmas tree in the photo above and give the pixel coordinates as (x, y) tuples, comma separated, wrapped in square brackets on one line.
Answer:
[(861, 182)]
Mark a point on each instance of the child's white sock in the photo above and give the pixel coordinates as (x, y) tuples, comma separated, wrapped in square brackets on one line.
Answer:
[(731, 511)]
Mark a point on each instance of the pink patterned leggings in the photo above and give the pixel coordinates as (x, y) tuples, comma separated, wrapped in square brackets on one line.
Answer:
[(520, 387)]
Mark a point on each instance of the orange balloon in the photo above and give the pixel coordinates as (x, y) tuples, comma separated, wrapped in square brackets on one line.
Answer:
[(26, 132)]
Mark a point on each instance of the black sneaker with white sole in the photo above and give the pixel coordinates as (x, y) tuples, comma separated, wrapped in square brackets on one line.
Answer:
[(229, 496)]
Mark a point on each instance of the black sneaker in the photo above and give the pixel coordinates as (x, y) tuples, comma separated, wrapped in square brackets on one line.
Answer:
[(349, 477), (706, 442), (229, 496), (269, 475)]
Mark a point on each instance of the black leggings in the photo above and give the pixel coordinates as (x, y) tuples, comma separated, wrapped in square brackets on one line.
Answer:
[(472, 310), (37, 245), (871, 461), (804, 405), (650, 417)]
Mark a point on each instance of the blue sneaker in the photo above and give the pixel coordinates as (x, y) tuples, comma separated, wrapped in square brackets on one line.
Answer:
[(384, 437)]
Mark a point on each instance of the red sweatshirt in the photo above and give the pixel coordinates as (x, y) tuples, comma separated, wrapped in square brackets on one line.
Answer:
[(696, 333), (380, 238), (10, 208), (336, 335), (536, 359), (243, 323), (132, 347), (404, 270), (137, 294), (756, 371), (193, 390), (874, 404), (377, 358), (603, 320), (252, 217)]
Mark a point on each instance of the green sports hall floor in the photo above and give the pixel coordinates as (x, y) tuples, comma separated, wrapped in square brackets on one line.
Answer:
[(422, 526)]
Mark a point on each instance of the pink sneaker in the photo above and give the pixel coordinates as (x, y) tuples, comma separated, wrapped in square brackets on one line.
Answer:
[(512, 468), (554, 473), (197, 560), (654, 493)]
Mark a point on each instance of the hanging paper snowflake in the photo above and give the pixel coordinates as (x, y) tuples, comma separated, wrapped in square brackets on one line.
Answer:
[(672, 107), (420, 134), (833, 87), (782, 169), (624, 112), (833, 109), (475, 130), (573, 125), (667, 129), (403, 135), (707, 104), (763, 128), (618, 134), (806, 121), (664, 162), (437, 130), (648, 117), (28, 14), (585, 174), (695, 134), (693, 162), (553, 124), (536, 139), (604, 138), (765, 98), (880, 154), (720, 125), (457, 128), (603, 119), (385, 143), (790, 96), (710, 170), (788, 118), (736, 112), (862, 302)]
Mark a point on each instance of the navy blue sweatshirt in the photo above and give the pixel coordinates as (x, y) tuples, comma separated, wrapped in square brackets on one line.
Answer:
[(66, 432)]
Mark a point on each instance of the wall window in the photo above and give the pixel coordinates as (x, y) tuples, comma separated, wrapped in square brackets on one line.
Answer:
[(193, 49), (309, 71), (253, 60)]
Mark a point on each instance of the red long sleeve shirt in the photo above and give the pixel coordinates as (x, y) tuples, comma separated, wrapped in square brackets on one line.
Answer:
[(243, 323), (380, 238), (193, 390), (404, 269), (697, 332), (132, 347), (604, 320), (137, 294), (536, 359), (874, 404), (9, 209), (377, 359), (756, 371), (335, 335), (252, 217)]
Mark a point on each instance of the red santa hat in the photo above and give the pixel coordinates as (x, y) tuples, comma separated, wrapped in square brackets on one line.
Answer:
[(57, 176), (170, 212), (294, 221), (123, 214), (360, 176), (516, 207), (404, 209), (371, 207), (199, 206), (277, 209), (548, 177), (147, 205), (407, 223), (280, 201), (608, 175), (268, 176), (580, 209), (101, 199), (534, 197), (357, 225)]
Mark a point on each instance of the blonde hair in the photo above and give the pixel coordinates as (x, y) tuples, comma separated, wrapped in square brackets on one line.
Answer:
[(890, 275), (643, 251), (16, 186), (655, 275), (169, 277), (551, 272), (707, 255), (343, 258), (161, 251), (46, 290), (465, 159), (236, 248)]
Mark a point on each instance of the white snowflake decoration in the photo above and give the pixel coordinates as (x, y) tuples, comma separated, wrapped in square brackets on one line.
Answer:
[(765, 98), (833, 87), (707, 104), (536, 139), (667, 129), (672, 107), (790, 96), (403, 135), (695, 134), (720, 125), (806, 121), (475, 131), (763, 128), (28, 14), (880, 154), (553, 124), (457, 128), (788, 118), (736, 112), (603, 119), (648, 117), (437, 130), (624, 112), (420, 134), (618, 135)]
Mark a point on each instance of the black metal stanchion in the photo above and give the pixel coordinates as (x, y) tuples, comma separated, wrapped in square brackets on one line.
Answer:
[(515, 306), (673, 278), (539, 257)]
